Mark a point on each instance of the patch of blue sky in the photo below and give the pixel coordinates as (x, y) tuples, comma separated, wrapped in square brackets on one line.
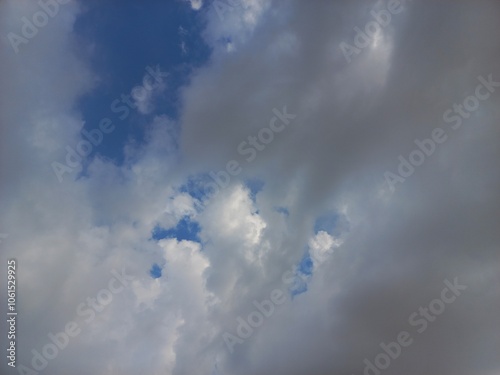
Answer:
[(155, 271), (198, 187), (132, 36), (306, 265), (255, 186), (303, 273), (326, 223), (298, 287), (186, 229)]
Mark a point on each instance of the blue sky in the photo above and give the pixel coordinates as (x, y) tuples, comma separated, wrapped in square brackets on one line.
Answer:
[(186, 229), (125, 38)]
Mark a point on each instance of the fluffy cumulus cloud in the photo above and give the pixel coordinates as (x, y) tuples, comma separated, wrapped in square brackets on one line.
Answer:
[(342, 131)]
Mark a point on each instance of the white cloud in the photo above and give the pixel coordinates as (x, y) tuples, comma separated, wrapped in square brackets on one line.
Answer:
[(196, 4)]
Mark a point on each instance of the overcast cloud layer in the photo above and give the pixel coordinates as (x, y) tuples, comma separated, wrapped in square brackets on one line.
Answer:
[(387, 253)]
